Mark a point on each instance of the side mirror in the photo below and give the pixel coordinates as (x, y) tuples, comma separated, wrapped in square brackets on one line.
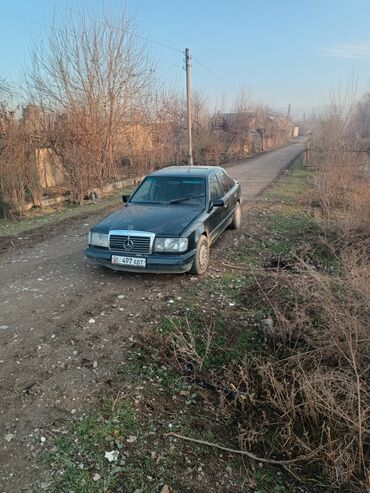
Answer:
[(218, 203), (125, 198)]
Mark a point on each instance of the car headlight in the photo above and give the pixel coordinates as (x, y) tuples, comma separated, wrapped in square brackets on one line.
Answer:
[(99, 239), (170, 244)]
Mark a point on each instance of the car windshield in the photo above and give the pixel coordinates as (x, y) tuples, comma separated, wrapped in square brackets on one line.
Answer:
[(171, 190)]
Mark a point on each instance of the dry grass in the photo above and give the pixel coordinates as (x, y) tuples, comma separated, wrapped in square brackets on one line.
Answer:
[(311, 384), (305, 394), (302, 391), (342, 181), (190, 346)]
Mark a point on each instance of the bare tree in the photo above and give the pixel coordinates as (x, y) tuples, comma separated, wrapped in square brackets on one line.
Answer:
[(18, 176), (89, 77)]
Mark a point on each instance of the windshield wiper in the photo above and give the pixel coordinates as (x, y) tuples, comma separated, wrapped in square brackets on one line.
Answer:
[(182, 199)]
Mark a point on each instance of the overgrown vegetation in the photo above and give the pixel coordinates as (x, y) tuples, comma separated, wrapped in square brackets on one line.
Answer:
[(287, 349)]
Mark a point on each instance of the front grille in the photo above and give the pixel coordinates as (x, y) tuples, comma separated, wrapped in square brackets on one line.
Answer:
[(130, 244)]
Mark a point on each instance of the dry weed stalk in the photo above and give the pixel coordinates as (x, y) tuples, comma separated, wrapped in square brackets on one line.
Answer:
[(191, 346)]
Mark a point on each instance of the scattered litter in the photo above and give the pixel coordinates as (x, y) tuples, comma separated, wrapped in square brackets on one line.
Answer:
[(92, 321), (165, 489), (3, 327), (96, 477), (132, 439), (120, 296), (43, 439), (9, 437), (112, 456), (95, 364), (231, 304)]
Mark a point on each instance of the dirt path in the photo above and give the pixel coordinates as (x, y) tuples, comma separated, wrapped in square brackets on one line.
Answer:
[(65, 324)]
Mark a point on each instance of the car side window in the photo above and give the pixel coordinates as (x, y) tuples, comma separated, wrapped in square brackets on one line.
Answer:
[(230, 180), (225, 182), (214, 188)]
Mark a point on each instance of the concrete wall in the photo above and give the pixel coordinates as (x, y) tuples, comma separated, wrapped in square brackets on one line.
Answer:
[(49, 169)]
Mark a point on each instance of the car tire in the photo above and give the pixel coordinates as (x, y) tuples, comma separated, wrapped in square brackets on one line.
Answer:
[(201, 259), (237, 218)]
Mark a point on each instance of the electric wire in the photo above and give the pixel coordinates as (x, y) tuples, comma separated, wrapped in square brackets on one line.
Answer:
[(149, 40)]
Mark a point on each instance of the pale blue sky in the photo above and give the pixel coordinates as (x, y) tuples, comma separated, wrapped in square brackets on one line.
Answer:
[(281, 51)]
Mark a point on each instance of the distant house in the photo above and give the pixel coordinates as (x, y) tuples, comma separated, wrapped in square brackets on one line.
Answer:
[(252, 131), (240, 130)]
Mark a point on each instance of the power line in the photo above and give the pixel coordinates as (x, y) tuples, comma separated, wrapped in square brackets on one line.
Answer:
[(45, 26), (4, 12), (202, 80), (209, 70), (177, 50), (170, 63), (149, 40), (27, 19)]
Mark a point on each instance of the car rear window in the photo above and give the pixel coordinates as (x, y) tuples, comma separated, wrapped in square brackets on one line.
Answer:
[(171, 190)]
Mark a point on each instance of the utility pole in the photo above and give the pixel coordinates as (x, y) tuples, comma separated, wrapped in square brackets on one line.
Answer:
[(188, 105), (289, 129)]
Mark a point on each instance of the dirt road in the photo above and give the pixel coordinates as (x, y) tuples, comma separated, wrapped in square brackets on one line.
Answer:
[(65, 324)]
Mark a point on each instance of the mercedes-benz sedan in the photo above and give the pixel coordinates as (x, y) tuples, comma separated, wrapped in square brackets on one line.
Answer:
[(169, 222)]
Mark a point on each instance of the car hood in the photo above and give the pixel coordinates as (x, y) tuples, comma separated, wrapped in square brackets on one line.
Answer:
[(165, 220)]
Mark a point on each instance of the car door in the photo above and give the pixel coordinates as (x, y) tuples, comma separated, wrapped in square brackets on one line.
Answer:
[(216, 213), (230, 198)]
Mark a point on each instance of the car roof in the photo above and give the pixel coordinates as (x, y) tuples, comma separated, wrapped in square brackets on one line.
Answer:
[(195, 171)]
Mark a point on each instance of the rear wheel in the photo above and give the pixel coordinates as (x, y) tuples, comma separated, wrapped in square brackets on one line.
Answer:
[(237, 219), (201, 260)]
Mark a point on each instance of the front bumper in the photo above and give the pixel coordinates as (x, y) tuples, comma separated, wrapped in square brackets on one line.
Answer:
[(155, 263)]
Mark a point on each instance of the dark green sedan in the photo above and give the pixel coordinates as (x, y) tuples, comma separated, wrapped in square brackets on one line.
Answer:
[(169, 222)]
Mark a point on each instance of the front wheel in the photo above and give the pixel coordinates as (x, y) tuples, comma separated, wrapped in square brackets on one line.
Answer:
[(201, 260), (237, 219)]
